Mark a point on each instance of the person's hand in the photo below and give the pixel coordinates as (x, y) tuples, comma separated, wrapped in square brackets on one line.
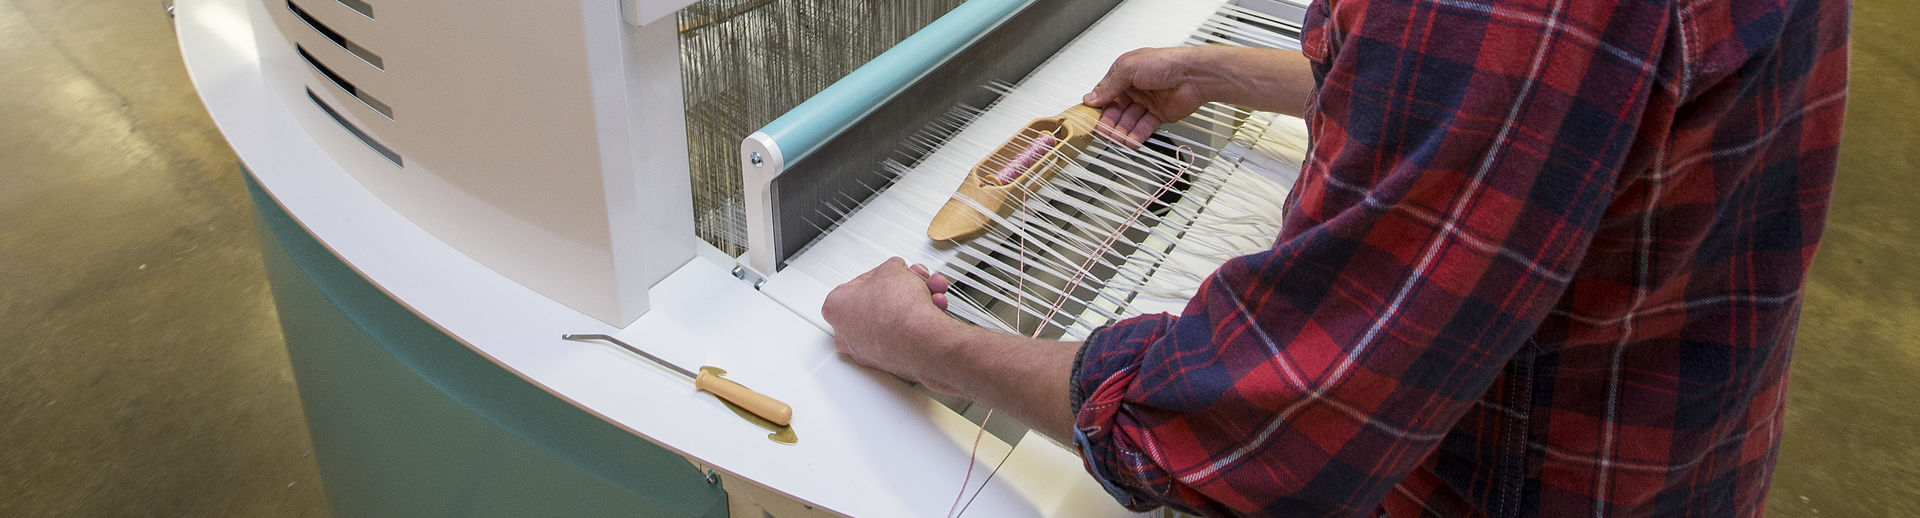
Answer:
[(1144, 88), (891, 318), (1147, 87)]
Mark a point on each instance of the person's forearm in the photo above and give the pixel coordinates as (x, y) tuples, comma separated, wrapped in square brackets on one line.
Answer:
[(1263, 79), (1024, 377)]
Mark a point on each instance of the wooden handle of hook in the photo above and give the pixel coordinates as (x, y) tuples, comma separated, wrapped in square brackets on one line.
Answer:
[(766, 407)]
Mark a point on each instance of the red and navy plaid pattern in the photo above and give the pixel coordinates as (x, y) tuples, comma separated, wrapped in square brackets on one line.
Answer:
[(1544, 259)]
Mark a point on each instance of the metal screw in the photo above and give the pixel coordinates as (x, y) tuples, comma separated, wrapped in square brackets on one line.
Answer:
[(756, 284), (739, 272), (755, 158), (712, 478), (168, 4)]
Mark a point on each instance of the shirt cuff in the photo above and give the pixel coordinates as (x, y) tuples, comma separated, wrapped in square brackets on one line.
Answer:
[(1102, 371), (1099, 470), (1109, 350), (1075, 395)]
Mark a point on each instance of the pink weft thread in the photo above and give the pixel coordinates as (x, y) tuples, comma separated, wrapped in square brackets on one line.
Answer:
[(1023, 161), (1073, 283), (971, 454)]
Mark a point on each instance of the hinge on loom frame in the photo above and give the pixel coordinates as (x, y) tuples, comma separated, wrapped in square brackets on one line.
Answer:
[(760, 162), (745, 274)]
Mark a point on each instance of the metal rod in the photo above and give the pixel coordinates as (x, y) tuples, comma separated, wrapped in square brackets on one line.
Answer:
[(636, 350)]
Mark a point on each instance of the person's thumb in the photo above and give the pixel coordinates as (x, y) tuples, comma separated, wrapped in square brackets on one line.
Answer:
[(1102, 93), (1116, 82)]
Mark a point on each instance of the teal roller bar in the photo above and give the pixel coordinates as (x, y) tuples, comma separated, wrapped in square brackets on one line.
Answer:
[(804, 128)]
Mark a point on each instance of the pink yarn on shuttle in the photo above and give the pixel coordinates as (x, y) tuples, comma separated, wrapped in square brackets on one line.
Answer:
[(1023, 161)]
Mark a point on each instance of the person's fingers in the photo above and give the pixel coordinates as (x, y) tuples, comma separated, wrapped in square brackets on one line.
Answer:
[(1142, 128), (1124, 128), (1152, 101), (1103, 129), (919, 269), (1111, 113), (1131, 117), (1110, 118), (938, 284), (940, 301)]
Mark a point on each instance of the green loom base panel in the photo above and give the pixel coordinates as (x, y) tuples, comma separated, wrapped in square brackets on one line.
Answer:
[(407, 421)]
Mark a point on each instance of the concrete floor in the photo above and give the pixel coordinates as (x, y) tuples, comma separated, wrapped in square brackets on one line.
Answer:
[(141, 367), (142, 372), (1852, 444)]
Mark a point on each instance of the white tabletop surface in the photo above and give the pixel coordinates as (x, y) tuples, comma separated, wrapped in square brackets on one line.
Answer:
[(869, 444)]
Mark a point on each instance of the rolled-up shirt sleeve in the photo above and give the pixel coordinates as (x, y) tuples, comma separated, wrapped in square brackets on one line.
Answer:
[(1449, 196)]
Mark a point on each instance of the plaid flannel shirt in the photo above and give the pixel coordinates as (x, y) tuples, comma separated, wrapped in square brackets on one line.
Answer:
[(1544, 258)]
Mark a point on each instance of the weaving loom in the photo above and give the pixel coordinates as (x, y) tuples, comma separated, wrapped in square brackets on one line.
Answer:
[(1103, 194), (1119, 233), (791, 143)]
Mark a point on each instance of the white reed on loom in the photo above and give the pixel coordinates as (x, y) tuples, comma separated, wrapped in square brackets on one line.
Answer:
[(1088, 224), (1056, 231), (1049, 241)]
